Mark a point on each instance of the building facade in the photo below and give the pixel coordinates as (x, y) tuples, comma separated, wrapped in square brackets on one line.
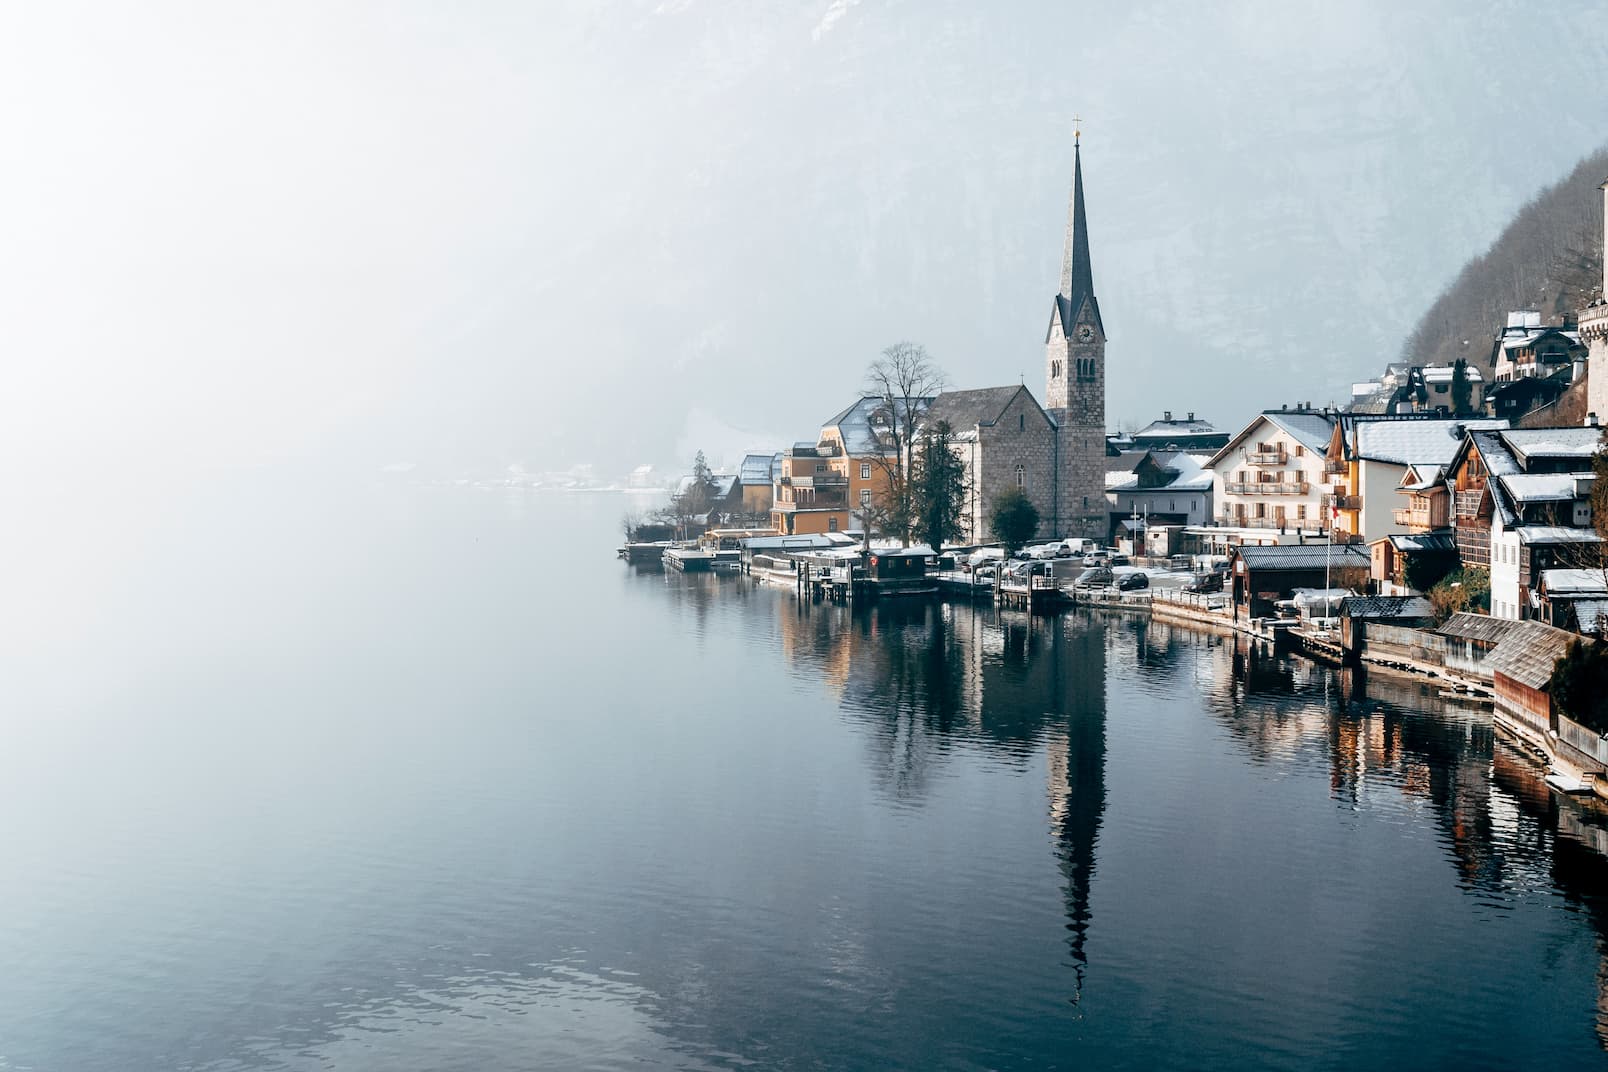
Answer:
[(1005, 440), (1270, 477), (1593, 325)]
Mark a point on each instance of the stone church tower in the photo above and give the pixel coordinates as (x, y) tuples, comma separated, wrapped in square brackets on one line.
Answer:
[(1074, 385)]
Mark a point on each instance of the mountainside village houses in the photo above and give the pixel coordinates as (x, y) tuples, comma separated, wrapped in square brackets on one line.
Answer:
[(1416, 485)]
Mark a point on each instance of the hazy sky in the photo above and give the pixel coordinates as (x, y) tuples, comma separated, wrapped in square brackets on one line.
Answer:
[(471, 234)]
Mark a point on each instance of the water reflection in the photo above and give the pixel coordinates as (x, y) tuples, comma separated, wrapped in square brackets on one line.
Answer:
[(929, 677), (932, 677)]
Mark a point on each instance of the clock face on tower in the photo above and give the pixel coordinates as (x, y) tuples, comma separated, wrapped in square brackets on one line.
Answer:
[(1085, 333)]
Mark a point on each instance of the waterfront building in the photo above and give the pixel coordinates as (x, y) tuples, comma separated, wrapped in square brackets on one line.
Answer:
[(1368, 458), (1521, 503), (1470, 639), (1264, 575), (1400, 558), (757, 474), (827, 485), (1161, 488), (1267, 483), (1188, 434)]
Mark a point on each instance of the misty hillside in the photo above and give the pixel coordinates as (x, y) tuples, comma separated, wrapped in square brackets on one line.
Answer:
[(1548, 258)]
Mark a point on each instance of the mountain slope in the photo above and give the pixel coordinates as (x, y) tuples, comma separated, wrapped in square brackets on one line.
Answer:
[(1548, 258)]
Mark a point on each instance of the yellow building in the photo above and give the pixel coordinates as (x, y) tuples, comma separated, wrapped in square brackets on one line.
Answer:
[(828, 485)]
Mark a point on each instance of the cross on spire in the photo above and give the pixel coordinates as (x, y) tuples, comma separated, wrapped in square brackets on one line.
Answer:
[(1077, 128)]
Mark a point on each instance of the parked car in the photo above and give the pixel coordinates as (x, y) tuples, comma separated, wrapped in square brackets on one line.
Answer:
[(1133, 582), (1098, 577), (1180, 563), (1210, 581), (1096, 558), (985, 573), (1119, 559), (1030, 569)]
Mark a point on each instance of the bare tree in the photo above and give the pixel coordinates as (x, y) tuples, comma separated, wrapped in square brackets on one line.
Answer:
[(904, 380)]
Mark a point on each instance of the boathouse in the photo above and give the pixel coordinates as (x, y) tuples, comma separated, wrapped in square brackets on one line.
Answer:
[(1470, 639), (1521, 665), (1390, 626), (1265, 575)]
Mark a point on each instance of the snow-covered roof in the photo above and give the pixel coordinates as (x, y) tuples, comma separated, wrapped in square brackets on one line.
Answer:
[(1310, 429), (1411, 441), (1519, 340), (1163, 428), (1292, 556), (756, 469), (1499, 460), (1418, 542), (1591, 615), (1444, 373), (1530, 443), (1574, 582), (1524, 319), (856, 423), (1557, 534), (1542, 487), (1422, 477)]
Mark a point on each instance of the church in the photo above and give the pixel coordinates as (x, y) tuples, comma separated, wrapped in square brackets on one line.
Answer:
[(1056, 452)]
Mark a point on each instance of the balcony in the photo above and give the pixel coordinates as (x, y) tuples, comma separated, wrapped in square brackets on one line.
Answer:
[(1332, 467), (1267, 457), (811, 502), (1276, 521), (1269, 487), (1342, 502), (816, 480)]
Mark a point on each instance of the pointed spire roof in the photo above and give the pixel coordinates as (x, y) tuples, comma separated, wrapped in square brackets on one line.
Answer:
[(1077, 271)]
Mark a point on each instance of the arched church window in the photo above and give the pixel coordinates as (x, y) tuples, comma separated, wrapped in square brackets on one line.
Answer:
[(1021, 476)]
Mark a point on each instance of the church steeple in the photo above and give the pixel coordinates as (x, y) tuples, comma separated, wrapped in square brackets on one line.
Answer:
[(1077, 271)]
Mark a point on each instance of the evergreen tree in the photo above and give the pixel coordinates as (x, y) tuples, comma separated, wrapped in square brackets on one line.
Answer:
[(1462, 389), (939, 487), (1014, 519), (1579, 683)]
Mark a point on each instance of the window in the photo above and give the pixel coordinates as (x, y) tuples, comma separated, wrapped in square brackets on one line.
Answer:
[(1021, 476), (820, 468), (831, 524), (1021, 422), (1300, 451), (865, 496), (865, 470), (1055, 370), (1300, 512), (1171, 506)]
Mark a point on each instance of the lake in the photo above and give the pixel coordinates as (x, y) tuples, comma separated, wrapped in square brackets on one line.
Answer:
[(421, 778)]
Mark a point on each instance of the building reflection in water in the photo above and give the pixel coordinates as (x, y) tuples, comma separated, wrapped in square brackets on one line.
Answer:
[(930, 677)]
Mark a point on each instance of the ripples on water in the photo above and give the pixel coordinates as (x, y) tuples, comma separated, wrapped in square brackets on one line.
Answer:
[(426, 789)]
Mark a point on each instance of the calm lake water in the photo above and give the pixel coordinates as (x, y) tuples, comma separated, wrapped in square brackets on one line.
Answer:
[(416, 778)]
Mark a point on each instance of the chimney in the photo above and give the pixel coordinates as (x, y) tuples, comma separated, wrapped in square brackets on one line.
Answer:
[(1166, 415), (1591, 420), (1191, 414), (1284, 407)]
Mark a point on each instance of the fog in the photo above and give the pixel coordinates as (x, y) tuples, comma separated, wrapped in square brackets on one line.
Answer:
[(338, 237)]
